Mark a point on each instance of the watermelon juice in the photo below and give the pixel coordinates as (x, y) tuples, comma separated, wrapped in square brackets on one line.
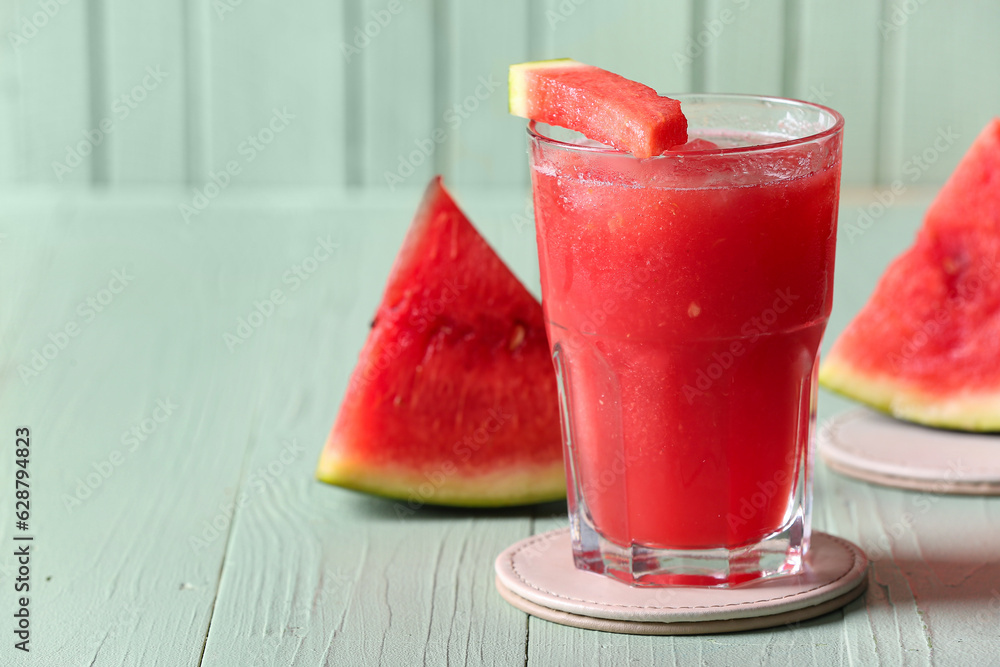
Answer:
[(685, 298)]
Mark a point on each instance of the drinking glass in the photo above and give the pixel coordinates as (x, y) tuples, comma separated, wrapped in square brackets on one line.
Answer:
[(685, 297)]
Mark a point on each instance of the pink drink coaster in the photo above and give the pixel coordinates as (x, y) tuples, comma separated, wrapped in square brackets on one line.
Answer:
[(877, 448), (537, 575)]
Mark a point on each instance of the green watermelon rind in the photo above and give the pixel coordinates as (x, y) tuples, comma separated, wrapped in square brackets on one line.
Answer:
[(967, 411), (500, 488)]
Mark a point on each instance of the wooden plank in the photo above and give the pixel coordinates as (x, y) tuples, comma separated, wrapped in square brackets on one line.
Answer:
[(398, 117), (485, 145), (127, 454), (277, 92), (304, 588), (146, 92), (198, 19), (742, 43), (838, 45), (51, 55), (896, 627), (641, 40), (892, 79), (10, 114), (950, 53)]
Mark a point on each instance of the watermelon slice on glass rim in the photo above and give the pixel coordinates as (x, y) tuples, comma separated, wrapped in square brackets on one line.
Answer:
[(453, 400), (926, 347), (601, 105)]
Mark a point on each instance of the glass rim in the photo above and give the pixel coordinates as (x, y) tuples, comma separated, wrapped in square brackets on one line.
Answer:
[(837, 127)]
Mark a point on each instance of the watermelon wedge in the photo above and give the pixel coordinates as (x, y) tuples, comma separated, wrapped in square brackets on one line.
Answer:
[(926, 347), (453, 400), (601, 105)]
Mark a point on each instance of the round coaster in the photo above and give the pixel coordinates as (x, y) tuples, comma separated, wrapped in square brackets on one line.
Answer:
[(877, 448), (537, 575)]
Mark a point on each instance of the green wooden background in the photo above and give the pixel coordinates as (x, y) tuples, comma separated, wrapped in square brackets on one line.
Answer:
[(369, 81)]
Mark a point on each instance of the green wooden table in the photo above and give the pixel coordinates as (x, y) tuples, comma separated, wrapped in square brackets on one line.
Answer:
[(174, 512)]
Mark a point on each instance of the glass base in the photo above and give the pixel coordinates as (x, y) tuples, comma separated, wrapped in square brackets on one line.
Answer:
[(780, 553)]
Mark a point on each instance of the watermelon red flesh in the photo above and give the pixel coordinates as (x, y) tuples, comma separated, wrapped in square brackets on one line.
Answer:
[(926, 347), (605, 107), (453, 400)]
